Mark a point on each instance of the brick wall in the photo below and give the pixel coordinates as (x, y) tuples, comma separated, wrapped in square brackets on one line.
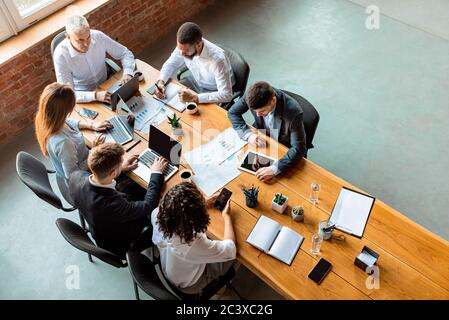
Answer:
[(134, 23)]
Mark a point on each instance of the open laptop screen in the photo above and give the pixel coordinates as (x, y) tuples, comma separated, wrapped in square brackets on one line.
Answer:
[(164, 145)]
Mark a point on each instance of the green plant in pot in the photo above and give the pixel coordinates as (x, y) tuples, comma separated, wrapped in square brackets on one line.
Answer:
[(279, 203), (297, 213), (175, 125), (251, 196)]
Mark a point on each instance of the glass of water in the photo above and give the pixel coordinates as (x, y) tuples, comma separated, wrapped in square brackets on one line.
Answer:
[(316, 244), (314, 193)]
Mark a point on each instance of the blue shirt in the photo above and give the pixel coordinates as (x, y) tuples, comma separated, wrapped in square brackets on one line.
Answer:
[(67, 150)]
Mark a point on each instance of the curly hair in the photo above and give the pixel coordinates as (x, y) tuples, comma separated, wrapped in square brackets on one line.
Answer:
[(183, 213)]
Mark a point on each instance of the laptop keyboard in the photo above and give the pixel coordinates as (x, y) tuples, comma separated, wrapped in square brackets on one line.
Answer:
[(148, 158), (118, 133)]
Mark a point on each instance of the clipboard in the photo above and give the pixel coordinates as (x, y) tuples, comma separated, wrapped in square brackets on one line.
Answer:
[(351, 212)]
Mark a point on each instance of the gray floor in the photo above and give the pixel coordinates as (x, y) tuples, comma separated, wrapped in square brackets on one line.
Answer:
[(382, 95)]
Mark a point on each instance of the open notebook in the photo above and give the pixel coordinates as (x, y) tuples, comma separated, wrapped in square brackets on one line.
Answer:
[(279, 242), (172, 100)]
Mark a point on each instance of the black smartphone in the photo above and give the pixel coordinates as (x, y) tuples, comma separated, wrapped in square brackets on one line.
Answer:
[(222, 199), (320, 271), (87, 113)]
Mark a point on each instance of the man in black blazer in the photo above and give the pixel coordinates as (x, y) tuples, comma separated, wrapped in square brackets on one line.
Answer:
[(114, 219), (279, 116)]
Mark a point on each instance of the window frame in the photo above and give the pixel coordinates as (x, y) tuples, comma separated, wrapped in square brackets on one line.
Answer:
[(17, 23)]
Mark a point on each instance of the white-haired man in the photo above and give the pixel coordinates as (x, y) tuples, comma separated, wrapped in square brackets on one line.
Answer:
[(80, 60)]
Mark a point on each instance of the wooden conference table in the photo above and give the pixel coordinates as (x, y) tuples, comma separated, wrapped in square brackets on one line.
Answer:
[(413, 262)]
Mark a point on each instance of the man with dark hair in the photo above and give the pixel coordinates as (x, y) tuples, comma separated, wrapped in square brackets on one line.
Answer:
[(212, 76), (188, 258), (114, 219), (280, 116)]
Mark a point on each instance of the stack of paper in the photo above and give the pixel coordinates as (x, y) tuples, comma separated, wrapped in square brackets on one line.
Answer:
[(172, 97)]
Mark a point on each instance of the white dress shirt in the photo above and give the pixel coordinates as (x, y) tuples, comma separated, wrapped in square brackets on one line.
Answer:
[(111, 185), (85, 71), (183, 264), (211, 70)]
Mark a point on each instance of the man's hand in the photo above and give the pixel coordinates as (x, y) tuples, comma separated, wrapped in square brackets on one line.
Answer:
[(158, 164), (265, 174), (103, 96), (227, 210), (211, 200), (256, 140), (99, 140), (129, 163), (102, 126), (187, 95), (159, 91), (125, 79)]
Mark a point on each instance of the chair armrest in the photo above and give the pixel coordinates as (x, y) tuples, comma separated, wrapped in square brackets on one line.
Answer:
[(114, 66), (181, 72), (68, 209), (228, 105), (51, 171), (143, 241)]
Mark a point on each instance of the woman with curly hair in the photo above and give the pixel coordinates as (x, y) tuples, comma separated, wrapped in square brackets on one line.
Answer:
[(189, 259)]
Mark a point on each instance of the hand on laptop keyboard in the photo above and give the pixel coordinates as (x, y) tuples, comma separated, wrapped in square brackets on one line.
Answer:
[(159, 164)]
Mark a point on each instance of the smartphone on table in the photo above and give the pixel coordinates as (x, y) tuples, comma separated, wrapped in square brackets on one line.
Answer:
[(87, 113), (222, 199), (320, 271)]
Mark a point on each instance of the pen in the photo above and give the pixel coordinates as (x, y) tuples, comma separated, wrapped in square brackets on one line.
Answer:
[(133, 145)]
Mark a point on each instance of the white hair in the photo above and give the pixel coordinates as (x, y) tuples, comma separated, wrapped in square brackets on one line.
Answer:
[(76, 24)]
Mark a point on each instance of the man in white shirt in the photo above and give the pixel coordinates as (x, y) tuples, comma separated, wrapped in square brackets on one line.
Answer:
[(212, 75), (190, 260), (80, 60)]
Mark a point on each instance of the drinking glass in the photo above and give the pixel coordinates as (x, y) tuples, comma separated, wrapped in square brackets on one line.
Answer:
[(315, 191), (316, 244)]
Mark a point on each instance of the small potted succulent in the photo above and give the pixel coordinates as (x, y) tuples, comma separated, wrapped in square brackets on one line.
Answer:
[(251, 196), (297, 213), (279, 203), (176, 126)]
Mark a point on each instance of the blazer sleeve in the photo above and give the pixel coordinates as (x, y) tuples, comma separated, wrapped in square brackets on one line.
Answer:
[(298, 148), (235, 115), (132, 210)]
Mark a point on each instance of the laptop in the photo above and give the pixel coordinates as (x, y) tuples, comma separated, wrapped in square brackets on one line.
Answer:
[(163, 145), (125, 91), (123, 130)]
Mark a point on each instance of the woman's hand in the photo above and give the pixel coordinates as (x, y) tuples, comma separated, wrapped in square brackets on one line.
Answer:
[(102, 126)]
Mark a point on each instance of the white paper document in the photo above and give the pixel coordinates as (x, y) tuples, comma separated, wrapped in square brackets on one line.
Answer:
[(172, 99), (212, 178), (351, 211), (144, 109), (276, 240), (215, 152)]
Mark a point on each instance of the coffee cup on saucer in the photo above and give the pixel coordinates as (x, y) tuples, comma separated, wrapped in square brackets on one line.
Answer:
[(191, 108)]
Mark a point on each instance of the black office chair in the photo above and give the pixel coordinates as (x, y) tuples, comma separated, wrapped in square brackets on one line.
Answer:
[(33, 173), (148, 276), (78, 237), (310, 117), (241, 74), (111, 66)]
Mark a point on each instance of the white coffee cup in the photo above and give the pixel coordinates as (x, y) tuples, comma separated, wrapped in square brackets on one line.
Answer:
[(191, 107), (186, 175), (140, 75)]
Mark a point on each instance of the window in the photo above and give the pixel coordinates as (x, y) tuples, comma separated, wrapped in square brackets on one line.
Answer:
[(16, 15)]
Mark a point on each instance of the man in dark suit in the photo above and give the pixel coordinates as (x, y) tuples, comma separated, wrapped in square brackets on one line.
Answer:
[(279, 116), (114, 219)]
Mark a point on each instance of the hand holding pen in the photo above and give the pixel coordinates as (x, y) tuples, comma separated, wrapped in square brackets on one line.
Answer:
[(159, 91)]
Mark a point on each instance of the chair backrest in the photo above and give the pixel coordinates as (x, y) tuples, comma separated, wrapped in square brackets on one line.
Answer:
[(310, 117), (77, 237), (34, 175), (240, 68), (56, 40), (144, 274)]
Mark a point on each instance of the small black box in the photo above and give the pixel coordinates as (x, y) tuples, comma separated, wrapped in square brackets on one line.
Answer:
[(367, 258)]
